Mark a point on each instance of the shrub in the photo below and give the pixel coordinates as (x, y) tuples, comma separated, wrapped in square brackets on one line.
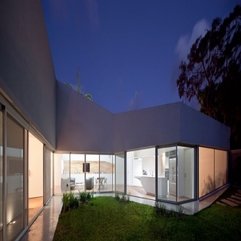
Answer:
[(85, 197), (69, 201)]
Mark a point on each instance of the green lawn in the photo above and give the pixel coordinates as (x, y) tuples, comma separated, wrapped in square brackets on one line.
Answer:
[(105, 218)]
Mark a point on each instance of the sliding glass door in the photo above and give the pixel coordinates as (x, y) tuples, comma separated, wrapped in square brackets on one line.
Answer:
[(14, 179), (176, 173)]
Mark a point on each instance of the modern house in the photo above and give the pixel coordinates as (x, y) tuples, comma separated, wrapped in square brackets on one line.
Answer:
[(53, 140)]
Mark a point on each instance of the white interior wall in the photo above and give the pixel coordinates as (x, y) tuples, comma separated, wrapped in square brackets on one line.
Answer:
[(35, 172)]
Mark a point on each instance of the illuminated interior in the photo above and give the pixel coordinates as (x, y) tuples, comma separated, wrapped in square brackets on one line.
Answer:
[(141, 173), (213, 166), (35, 175)]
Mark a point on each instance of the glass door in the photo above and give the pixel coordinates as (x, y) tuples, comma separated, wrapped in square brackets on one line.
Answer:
[(167, 173), (14, 179)]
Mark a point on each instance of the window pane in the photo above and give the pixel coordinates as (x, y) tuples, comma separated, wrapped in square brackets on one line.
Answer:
[(15, 168), (185, 173), (141, 173), (221, 167), (77, 175), (106, 173), (119, 173), (206, 170), (91, 183), (61, 173), (167, 173), (47, 174)]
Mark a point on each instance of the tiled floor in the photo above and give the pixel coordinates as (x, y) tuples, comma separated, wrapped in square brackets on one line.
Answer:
[(44, 227)]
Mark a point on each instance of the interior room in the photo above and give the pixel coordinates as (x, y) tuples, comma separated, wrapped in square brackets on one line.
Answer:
[(141, 173), (176, 173)]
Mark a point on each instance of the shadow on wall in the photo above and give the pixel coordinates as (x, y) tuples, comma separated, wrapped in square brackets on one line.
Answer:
[(208, 186), (220, 180)]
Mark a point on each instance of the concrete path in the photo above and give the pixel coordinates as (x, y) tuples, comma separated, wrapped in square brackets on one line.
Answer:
[(44, 226)]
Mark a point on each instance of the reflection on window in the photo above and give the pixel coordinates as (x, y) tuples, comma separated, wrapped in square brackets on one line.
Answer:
[(15, 162)]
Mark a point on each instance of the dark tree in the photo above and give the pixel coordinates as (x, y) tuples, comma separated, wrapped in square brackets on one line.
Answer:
[(212, 73)]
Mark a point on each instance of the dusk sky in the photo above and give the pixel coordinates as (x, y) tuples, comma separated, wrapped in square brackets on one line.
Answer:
[(126, 52)]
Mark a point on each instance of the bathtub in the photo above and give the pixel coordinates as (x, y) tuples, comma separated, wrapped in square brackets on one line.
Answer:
[(148, 183)]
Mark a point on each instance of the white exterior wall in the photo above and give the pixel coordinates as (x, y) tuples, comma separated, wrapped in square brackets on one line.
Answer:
[(83, 126), (147, 127)]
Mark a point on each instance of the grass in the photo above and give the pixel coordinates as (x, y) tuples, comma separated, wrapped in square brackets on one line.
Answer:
[(108, 219)]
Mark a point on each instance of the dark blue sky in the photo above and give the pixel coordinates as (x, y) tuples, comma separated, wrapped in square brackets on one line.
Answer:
[(126, 52)]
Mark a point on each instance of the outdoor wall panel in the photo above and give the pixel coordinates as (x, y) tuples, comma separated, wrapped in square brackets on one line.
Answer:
[(200, 129), (82, 126), (147, 127), (26, 69)]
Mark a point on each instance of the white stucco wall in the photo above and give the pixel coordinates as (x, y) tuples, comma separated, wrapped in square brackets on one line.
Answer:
[(83, 126), (26, 69)]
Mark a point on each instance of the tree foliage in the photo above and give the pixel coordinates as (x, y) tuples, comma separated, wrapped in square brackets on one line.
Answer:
[(212, 73)]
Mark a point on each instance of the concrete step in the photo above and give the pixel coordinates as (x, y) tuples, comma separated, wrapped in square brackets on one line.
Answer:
[(229, 203), (234, 200), (236, 197), (220, 203)]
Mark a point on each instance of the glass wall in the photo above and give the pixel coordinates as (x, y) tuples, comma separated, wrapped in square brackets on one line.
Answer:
[(140, 171), (213, 166), (185, 173), (77, 174), (167, 185), (61, 173), (14, 179), (1, 175), (83, 172), (105, 180), (47, 174), (176, 173), (92, 172), (120, 172)]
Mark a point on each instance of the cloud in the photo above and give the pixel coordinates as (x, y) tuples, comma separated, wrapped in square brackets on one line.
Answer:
[(135, 101), (93, 13), (185, 41)]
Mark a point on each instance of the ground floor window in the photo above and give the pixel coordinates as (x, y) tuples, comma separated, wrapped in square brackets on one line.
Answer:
[(83, 172), (14, 179), (175, 173), (140, 173)]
